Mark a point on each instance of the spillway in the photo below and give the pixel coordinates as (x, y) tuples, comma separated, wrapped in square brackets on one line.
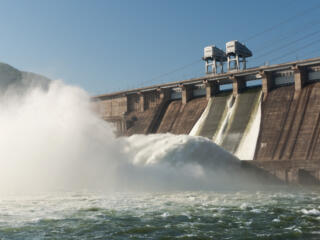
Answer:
[(180, 118), (216, 110), (245, 104), (228, 121)]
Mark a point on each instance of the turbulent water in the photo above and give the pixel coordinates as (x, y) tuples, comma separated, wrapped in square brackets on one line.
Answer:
[(63, 175), (277, 214), (52, 140)]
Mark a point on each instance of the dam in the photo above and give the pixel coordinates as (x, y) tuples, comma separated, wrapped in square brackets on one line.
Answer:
[(267, 116)]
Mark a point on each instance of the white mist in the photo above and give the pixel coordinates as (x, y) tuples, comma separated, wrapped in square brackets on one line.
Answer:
[(51, 140)]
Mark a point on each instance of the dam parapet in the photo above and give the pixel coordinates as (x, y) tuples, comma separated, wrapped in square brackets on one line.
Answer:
[(268, 114)]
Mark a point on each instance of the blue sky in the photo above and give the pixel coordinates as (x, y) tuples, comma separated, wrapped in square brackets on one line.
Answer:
[(111, 45)]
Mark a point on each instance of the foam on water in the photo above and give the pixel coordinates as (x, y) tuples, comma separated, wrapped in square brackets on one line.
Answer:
[(172, 215), (53, 140), (311, 211)]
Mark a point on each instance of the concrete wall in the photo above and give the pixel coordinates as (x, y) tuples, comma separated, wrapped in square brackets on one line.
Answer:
[(290, 125), (113, 106), (288, 145), (289, 140)]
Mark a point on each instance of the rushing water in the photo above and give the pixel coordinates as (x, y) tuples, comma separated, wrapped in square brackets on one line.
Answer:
[(277, 214)]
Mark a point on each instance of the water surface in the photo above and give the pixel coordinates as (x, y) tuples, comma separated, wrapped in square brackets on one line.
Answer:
[(276, 214)]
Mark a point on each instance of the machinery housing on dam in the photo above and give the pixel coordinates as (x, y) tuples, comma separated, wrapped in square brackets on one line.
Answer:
[(235, 56), (273, 124)]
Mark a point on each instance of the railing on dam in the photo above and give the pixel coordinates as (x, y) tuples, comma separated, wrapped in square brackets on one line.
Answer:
[(139, 99)]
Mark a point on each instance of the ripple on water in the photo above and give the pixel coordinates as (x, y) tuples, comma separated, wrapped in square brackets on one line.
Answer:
[(180, 215)]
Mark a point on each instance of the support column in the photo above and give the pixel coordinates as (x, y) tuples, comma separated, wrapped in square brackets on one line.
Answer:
[(267, 83), (212, 88), (164, 94), (300, 77), (186, 93), (237, 85), (141, 102), (123, 127), (125, 103)]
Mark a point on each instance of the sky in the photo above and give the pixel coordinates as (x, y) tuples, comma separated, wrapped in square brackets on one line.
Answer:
[(111, 45)]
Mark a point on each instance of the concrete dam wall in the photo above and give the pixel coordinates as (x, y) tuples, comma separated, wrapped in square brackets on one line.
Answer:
[(290, 131), (274, 125)]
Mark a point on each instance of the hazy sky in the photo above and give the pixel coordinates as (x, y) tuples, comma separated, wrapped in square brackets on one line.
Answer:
[(110, 45)]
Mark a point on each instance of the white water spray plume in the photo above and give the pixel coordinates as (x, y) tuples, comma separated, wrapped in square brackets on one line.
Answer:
[(52, 140)]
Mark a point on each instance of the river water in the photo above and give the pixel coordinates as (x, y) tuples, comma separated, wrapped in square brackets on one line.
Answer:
[(280, 213)]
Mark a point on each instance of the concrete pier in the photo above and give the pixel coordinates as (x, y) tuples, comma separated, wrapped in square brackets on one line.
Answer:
[(300, 76), (267, 82), (212, 88), (238, 85), (141, 102), (186, 92)]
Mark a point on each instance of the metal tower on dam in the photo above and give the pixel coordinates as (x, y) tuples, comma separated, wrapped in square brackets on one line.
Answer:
[(235, 56)]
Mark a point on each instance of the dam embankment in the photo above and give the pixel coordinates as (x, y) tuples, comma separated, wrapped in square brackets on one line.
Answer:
[(275, 125)]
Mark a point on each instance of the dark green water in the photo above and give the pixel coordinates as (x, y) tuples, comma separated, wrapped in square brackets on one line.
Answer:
[(280, 214)]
